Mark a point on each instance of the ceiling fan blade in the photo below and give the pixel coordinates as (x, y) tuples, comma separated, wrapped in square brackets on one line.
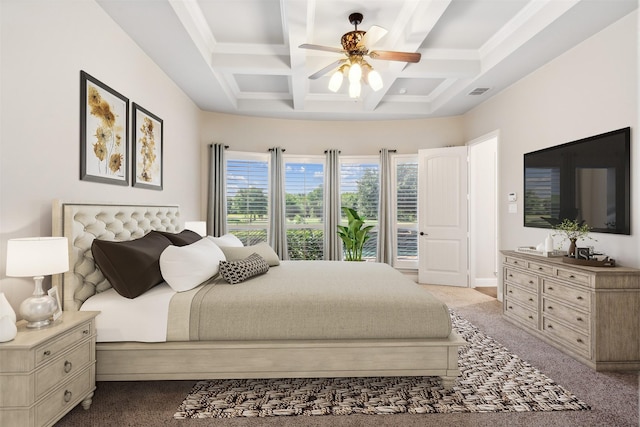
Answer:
[(323, 48), (372, 36), (388, 55), (326, 69)]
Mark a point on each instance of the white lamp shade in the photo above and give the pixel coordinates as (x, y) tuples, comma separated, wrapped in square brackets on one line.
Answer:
[(336, 81), (37, 256), (355, 73), (199, 227), (354, 89), (374, 79)]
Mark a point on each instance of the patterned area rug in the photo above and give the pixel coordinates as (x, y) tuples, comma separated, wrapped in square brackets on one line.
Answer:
[(492, 380)]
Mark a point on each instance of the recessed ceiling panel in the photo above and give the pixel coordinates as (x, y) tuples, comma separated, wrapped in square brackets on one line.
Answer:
[(419, 87), (469, 24), (244, 21), (260, 83)]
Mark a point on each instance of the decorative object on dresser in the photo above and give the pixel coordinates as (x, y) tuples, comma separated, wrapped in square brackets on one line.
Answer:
[(44, 373), (36, 257), (573, 230), (8, 328), (590, 313)]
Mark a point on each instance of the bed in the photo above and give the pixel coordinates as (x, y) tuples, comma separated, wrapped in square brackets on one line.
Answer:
[(285, 348)]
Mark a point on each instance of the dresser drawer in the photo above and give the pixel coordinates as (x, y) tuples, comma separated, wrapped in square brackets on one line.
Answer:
[(579, 342), (573, 276), (523, 314), (522, 296), (51, 349), (64, 398), (577, 297), (540, 268), (63, 367), (515, 261), (530, 281), (575, 318)]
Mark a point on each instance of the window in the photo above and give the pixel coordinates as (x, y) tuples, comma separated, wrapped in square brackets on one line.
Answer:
[(405, 183), (359, 189), (304, 181), (247, 196)]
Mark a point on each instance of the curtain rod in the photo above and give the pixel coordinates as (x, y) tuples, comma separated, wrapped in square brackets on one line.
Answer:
[(390, 151), (326, 151), (271, 149), (211, 145)]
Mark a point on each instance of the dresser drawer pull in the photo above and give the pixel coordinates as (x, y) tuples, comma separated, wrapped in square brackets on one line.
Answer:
[(540, 269), (531, 282), (579, 340), (549, 327), (550, 288), (571, 276), (510, 307), (67, 396), (67, 366), (531, 317), (47, 352), (549, 308), (510, 292), (531, 299), (510, 275), (579, 298), (579, 319), (85, 332), (515, 262)]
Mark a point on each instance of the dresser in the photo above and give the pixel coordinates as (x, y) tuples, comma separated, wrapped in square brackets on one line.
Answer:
[(589, 313), (46, 372)]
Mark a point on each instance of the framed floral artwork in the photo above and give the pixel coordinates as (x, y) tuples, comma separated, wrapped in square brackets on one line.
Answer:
[(104, 133), (147, 149)]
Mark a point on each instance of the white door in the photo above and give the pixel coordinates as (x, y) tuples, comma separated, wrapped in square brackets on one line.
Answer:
[(442, 216)]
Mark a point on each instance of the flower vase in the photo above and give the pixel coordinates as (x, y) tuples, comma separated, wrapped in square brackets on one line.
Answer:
[(8, 329), (572, 247)]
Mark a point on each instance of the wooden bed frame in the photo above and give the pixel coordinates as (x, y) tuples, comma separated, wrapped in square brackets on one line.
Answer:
[(82, 222)]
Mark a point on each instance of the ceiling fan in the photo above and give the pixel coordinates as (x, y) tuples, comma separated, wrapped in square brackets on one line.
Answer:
[(355, 45)]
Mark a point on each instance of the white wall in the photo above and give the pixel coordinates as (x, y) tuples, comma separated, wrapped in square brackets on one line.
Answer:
[(44, 45), (589, 90)]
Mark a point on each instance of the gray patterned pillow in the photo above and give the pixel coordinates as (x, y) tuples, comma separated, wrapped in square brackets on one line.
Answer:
[(239, 271)]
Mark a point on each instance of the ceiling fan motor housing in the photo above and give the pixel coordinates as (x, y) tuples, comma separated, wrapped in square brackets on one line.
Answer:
[(350, 42)]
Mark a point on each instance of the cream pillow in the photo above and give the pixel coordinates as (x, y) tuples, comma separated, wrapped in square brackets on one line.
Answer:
[(185, 267), (228, 240), (263, 249)]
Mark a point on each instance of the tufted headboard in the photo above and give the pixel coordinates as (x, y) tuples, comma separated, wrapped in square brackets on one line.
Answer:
[(81, 223)]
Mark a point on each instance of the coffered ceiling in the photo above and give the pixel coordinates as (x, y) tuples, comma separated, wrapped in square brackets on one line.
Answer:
[(243, 56)]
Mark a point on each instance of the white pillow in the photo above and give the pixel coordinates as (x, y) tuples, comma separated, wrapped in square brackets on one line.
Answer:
[(185, 267), (263, 249), (227, 241)]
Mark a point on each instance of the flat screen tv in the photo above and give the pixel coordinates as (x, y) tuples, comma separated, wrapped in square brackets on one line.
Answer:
[(586, 180)]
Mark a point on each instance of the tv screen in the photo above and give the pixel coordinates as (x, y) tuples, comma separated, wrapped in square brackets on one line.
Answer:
[(586, 180)]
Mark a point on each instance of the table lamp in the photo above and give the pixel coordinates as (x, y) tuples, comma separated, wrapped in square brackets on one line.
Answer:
[(37, 257)]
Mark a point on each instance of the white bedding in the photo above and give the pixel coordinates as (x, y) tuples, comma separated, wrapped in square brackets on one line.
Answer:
[(142, 319)]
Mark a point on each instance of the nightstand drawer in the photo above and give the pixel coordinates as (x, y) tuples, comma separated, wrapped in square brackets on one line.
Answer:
[(574, 317), (524, 297), (576, 340), (568, 294), (51, 349), (64, 398), (525, 279), (63, 368)]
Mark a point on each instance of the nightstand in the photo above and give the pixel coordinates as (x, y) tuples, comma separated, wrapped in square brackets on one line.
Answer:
[(45, 372)]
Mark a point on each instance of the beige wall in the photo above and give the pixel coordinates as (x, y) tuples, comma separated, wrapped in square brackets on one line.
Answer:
[(44, 45), (589, 90)]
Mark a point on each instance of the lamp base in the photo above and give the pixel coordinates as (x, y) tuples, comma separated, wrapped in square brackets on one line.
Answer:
[(38, 309)]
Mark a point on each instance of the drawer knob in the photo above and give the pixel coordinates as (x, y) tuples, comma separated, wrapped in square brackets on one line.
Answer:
[(579, 319), (531, 317), (549, 326), (85, 332), (510, 292), (579, 340), (572, 276), (510, 307), (47, 353), (67, 395), (515, 262), (540, 268), (579, 298), (549, 308), (510, 275), (67, 366), (531, 282), (550, 288), (531, 299)]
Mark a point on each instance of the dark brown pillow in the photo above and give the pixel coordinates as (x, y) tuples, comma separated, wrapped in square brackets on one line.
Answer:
[(183, 238), (132, 267)]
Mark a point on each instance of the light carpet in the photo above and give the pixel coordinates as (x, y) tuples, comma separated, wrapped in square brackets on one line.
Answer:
[(492, 380)]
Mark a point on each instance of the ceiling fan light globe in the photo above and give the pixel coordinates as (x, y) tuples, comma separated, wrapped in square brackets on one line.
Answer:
[(354, 89), (355, 73), (336, 81), (375, 80)]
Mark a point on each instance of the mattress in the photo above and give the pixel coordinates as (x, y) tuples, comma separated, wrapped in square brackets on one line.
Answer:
[(311, 300)]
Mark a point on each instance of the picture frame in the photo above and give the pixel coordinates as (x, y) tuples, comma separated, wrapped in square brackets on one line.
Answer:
[(104, 133), (147, 135), (53, 292)]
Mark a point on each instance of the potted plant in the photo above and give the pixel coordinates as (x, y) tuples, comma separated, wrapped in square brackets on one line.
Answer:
[(354, 234), (572, 230)]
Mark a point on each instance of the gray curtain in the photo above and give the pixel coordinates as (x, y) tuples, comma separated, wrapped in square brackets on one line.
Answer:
[(277, 217), (217, 192), (385, 214), (332, 243)]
